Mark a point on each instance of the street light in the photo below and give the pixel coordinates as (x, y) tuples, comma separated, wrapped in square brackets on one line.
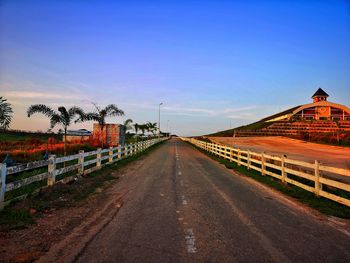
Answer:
[(167, 127), (159, 120)]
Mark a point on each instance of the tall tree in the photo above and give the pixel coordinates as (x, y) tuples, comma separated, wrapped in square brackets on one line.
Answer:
[(100, 116), (143, 128), (128, 124), (63, 117), (136, 128), (152, 127), (5, 113)]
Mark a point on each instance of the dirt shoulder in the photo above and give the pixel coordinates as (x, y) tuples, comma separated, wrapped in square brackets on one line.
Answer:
[(296, 149), (28, 229)]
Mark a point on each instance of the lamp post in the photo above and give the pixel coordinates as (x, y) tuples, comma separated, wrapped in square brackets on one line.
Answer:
[(167, 127), (159, 120)]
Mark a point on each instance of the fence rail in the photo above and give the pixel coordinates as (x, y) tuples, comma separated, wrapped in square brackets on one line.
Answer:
[(308, 176), (53, 167)]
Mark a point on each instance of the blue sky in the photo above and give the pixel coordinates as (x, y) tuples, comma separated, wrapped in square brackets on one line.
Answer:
[(214, 64)]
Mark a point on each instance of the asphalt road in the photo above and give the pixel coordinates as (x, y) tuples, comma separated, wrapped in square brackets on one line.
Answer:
[(181, 206)]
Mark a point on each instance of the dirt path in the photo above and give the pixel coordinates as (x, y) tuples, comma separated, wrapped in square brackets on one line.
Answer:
[(76, 223), (184, 207), (178, 205)]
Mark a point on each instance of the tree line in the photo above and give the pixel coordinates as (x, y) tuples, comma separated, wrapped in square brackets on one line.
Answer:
[(65, 117)]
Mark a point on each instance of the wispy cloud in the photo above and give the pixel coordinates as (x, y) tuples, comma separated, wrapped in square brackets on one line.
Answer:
[(39, 95), (234, 113)]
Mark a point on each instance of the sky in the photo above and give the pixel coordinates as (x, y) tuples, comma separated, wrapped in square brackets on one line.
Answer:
[(213, 64)]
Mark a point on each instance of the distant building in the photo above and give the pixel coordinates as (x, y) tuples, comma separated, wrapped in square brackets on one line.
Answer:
[(78, 136), (111, 134), (319, 109)]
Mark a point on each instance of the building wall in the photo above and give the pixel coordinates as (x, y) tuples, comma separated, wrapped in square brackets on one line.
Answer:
[(322, 113), (112, 134)]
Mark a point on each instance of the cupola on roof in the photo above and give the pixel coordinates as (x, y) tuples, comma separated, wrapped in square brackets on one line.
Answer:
[(320, 93)]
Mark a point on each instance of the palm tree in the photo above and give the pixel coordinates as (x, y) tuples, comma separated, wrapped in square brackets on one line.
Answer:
[(136, 128), (100, 116), (143, 128), (128, 125), (63, 117), (152, 127), (5, 113)]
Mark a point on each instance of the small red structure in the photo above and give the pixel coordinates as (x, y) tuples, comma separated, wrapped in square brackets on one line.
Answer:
[(111, 134)]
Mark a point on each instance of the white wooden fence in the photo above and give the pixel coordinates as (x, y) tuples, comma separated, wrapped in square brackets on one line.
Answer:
[(84, 159), (282, 168)]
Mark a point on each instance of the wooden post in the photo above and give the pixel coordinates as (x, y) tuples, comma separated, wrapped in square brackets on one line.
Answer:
[(231, 154), (110, 153), (52, 170), (127, 150), (81, 162), (3, 184), (119, 156), (239, 157), (317, 179), (283, 169), (98, 156), (249, 162), (263, 163)]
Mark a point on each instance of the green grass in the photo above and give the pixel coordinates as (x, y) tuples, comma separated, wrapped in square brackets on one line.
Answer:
[(14, 135), (15, 219), (321, 204), (16, 215)]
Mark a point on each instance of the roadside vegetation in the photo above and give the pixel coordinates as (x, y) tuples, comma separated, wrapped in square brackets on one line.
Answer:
[(20, 214), (321, 204), (5, 114), (22, 146), (63, 116)]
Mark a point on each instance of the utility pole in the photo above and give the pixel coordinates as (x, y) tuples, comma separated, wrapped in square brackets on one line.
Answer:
[(167, 127), (159, 120)]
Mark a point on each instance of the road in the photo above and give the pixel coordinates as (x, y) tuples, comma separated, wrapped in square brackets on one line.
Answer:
[(181, 206)]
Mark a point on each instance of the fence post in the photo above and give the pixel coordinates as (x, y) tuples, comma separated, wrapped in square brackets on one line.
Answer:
[(119, 156), (249, 162), (283, 169), (81, 162), (3, 184), (110, 153), (318, 185), (127, 150), (239, 156), (52, 170), (98, 156), (262, 163)]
